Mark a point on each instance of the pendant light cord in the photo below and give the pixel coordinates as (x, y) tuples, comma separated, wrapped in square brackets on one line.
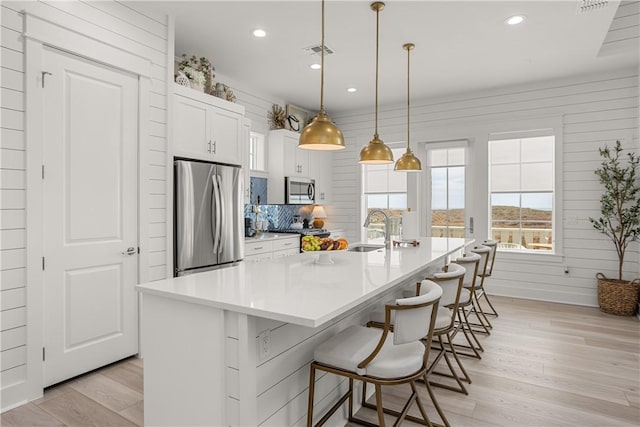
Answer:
[(408, 99), (322, 63), (377, 36)]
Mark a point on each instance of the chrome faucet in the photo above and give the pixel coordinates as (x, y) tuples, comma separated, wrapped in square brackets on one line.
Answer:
[(387, 240)]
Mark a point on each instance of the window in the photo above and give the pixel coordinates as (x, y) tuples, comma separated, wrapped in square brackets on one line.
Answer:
[(383, 188), (522, 191), (447, 177), (257, 153)]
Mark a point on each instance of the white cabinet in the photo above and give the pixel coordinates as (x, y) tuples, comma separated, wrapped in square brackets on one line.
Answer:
[(264, 249), (206, 127), (286, 159), (321, 169), (246, 141)]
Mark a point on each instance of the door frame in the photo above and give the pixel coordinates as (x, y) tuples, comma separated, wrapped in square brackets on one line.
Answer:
[(468, 197), (38, 33)]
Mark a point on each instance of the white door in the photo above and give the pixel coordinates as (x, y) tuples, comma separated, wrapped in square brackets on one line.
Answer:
[(448, 201), (90, 215)]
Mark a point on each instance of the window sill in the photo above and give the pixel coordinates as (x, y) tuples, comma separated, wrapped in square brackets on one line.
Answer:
[(528, 257)]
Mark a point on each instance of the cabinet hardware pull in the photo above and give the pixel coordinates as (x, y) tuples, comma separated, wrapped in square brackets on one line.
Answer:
[(209, 146), (258, 248), (214, 147)]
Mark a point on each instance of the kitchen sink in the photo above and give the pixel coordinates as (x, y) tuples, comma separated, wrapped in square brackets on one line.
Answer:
[(365, 248)]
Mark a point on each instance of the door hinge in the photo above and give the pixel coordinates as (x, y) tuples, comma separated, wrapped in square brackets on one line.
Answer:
[(42, 263), (43, 354), (42, 171)]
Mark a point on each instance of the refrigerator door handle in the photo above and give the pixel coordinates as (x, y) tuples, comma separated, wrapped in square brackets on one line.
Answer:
[(222, 207), (215, 211)]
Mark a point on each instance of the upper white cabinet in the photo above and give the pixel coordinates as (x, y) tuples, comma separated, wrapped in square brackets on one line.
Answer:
[(246, 137), (207, 128), (321, 169), (286, 159)]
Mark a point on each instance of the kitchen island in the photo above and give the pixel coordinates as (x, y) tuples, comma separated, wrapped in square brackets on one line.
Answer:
[(232, 346)]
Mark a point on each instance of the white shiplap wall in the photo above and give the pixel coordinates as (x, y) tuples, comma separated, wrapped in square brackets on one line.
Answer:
[(595, 109), (624, 32), (125, 28)]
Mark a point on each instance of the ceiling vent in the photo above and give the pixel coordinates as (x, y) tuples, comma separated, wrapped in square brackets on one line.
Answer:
[(587, 6), (315, 50)]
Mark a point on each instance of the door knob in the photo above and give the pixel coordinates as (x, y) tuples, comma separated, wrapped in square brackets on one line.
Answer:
[(130, 251)]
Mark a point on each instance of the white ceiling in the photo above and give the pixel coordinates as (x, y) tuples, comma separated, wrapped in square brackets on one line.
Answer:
[(461, 46)]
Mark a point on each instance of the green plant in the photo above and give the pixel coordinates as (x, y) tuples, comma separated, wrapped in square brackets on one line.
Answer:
[(620, 203), (198, 70)]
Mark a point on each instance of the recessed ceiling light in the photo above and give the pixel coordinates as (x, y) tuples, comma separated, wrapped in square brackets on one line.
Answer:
[(259, 33), (515, 20), (315, 66), (352, 89)]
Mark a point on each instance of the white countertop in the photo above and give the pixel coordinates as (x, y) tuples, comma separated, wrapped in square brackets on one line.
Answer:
[(271, 236), (297, 290)]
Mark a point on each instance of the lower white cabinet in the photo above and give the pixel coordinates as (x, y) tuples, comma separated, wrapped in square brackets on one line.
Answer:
[(263, 249)]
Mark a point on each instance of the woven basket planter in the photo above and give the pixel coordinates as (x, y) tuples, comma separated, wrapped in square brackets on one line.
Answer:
[(619, 297)]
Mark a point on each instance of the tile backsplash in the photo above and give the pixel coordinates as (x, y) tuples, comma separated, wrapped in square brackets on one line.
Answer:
[(279, 216)]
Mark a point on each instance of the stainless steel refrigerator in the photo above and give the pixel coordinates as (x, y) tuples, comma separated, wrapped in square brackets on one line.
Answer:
[(208, 216)]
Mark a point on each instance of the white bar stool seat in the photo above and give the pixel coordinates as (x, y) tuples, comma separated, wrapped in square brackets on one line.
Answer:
[(382, 357)]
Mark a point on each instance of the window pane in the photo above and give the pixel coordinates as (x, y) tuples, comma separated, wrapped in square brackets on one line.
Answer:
[(376, 182), (398, 201), (439, 188), (505, 178), (537, 235), (508, 234), (456, 187), (506, 151), (542, 201), (456, 157), (539, 149), (397, 182), (505, 207), (537, 177), (378, 201), (438, 157)]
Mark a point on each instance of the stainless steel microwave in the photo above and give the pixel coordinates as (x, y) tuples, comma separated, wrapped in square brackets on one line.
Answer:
[(299, 191)]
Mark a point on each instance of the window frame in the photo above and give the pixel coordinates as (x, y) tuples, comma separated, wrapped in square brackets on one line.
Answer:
[(535, 128)]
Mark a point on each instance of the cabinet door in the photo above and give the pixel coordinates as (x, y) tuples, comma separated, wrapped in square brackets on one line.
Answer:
[(192, 129), (321, 169), (246, 135), (291, 167), (227, 141)]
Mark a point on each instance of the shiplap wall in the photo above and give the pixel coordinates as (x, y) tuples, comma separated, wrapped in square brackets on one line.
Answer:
[(596, 110), (624, 32), (121, 26)]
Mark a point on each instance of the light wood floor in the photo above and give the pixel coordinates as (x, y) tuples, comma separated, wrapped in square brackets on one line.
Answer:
[(544, 365)]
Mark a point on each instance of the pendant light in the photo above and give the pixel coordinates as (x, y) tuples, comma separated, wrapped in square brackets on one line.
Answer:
[(376, 153), (408, 162), (321, 133)]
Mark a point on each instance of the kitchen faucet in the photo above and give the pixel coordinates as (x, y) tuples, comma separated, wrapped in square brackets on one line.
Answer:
[(387, 240)]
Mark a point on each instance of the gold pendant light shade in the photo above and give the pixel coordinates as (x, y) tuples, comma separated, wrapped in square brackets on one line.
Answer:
[(376, 153), (408, 162), (321, 133)]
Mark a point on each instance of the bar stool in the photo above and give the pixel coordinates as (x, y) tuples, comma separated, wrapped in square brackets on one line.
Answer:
[(493, 245), (451, 281), (484, 322), (470, 262), (382, 357)]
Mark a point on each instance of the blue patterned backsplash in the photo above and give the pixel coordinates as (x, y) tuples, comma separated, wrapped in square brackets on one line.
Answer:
[(258, 190), (279, 216)]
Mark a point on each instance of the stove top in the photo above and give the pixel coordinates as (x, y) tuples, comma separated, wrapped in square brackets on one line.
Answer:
[(304, 231)]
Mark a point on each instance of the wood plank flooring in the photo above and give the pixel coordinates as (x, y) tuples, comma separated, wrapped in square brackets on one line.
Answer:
[(544, 364)]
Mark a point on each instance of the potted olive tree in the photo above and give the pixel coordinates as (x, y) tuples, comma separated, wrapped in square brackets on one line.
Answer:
[(620, 222)]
